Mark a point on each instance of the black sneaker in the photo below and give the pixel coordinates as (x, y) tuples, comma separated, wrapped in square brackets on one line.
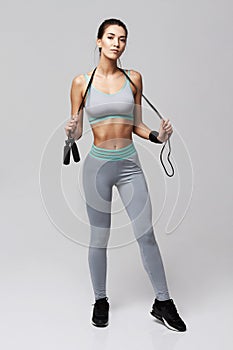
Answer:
[(100, 312), (166, 312)]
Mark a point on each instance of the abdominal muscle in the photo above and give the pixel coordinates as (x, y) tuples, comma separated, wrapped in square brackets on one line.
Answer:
[(112, 133)]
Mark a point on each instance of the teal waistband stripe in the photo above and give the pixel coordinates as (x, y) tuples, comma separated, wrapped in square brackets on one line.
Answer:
[(113, 154), (96, 120)]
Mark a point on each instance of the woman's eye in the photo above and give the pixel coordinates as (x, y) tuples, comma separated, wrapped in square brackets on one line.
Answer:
[(110, 37)]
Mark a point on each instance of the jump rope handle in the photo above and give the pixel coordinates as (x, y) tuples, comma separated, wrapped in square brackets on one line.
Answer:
[(160, 116)]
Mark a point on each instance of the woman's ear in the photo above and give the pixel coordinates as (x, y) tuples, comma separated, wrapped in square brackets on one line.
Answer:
[(98, 43)]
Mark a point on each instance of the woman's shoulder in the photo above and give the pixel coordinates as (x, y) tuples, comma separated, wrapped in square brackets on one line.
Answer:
[(134, 74), (79, 79), (78, 82), (136, 78)]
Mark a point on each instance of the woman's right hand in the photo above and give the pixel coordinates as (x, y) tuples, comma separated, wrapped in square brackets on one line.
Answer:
[(71, 126)]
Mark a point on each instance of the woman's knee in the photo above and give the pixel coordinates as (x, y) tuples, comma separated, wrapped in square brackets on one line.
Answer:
[(147, 238), (99, 237)]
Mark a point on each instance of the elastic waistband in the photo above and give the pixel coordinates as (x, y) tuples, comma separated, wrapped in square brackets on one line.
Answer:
[(113, 154)]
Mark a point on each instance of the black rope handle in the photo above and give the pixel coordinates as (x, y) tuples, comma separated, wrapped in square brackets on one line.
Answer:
[(160, 116)]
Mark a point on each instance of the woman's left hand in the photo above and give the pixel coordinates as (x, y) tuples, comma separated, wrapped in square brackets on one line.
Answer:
[(165, 130)]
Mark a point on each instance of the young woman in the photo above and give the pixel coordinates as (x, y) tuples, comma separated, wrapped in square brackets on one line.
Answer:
[(113, 108)]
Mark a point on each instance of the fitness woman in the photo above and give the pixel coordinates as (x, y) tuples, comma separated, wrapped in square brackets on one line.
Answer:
[(113, 110)]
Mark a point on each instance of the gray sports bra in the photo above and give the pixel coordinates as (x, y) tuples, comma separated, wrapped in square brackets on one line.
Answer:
[(101, 106)]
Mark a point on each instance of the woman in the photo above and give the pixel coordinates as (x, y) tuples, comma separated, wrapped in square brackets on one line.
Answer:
[(113, 108)]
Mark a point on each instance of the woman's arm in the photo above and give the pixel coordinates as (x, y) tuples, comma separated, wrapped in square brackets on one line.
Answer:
[(76, 98), (139, 128)]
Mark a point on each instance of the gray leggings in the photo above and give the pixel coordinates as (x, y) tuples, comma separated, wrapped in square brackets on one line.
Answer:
[(102, 169)]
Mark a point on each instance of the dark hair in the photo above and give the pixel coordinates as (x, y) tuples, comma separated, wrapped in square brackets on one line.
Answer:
[(107, 23)]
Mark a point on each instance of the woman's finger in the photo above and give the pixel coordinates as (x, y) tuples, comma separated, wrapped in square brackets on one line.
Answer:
[(169, 130)]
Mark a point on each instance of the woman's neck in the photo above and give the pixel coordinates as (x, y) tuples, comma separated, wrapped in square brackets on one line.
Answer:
[(107, 67)]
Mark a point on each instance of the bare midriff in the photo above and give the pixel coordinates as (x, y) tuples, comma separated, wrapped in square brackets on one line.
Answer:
[(112, 133)]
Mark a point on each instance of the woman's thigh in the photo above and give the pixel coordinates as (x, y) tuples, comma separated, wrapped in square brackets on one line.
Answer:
[(133, 190), (98, 179)]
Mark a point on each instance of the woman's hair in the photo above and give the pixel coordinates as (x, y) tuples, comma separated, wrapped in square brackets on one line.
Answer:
[(107, 23)]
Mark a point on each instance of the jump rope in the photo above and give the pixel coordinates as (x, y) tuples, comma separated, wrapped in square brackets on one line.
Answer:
[(70, 144)]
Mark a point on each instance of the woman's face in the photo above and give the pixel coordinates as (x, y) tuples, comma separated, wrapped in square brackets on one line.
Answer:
[(114, 38)]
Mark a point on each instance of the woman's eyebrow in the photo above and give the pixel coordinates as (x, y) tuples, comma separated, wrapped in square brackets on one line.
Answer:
[(122, 36)]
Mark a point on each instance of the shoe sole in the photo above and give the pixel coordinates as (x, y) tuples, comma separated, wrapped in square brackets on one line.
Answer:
[(99, 325), (161, 319)]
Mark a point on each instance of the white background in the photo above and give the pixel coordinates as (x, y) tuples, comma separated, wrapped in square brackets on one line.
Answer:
[(183, 49)]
